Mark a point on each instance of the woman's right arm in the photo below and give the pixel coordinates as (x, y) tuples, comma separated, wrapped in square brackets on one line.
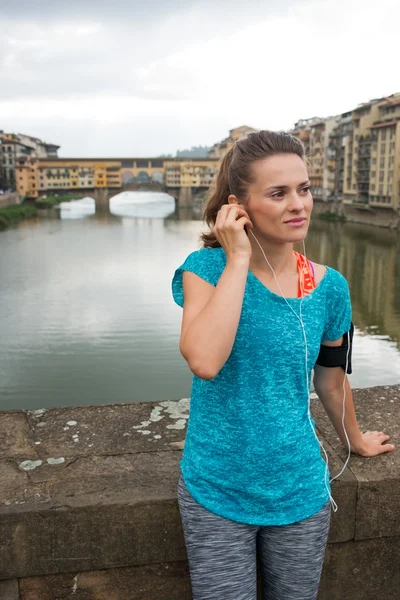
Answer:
[(211, 314)]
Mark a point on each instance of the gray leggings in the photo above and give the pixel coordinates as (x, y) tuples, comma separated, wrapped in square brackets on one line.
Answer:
[(222, 554)]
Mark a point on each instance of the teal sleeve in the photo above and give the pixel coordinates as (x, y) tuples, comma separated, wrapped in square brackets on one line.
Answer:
[(339, 312), (207, 263)]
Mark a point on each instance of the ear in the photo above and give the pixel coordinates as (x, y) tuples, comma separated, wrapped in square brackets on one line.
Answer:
[(232, 199)]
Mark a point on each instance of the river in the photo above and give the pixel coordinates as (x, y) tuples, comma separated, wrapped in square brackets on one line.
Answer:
[(87, 317)]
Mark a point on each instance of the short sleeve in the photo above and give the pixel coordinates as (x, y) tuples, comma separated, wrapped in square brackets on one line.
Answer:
[(207, 263), (339, 312)]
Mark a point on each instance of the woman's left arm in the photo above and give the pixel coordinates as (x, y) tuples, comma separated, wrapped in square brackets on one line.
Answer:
[(330, 384)]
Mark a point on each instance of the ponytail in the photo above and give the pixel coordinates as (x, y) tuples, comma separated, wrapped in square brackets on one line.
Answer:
[(217, 197)]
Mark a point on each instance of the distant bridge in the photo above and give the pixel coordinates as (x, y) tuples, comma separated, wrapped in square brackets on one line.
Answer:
[(102, 196), (185, 197), (102, 179)]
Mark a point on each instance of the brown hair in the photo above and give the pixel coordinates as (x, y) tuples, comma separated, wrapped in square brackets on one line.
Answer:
[(234, 173)]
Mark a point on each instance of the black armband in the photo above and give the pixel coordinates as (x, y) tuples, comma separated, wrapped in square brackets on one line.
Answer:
[(335, 356)]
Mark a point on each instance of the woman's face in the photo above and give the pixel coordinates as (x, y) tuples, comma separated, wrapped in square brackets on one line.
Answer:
[(279, 201)]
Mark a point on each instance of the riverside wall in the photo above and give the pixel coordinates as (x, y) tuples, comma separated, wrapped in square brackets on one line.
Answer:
[(364, 214), (10, 199), (88, 503)]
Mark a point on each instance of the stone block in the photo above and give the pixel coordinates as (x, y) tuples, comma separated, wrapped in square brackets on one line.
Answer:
[(344, 492), (16, 436), (378, 480), (98, 512), (9, 590), (378, 509), (12, 482), (107, 429), (159, 582), (363, 570)]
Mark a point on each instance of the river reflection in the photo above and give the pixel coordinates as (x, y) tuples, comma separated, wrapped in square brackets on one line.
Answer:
[(126, 204), (87, 317), (369, 257), (77, 209), (142, 204)]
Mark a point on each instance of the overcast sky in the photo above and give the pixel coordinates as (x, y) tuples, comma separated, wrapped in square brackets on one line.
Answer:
[(147, 77)]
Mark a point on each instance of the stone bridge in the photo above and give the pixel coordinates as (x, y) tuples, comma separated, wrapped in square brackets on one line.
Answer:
[(184, 196)]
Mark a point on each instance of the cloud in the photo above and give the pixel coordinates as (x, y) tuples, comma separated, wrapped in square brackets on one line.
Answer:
[(135, 11), (48, 10), (152, 77), (85, 47)]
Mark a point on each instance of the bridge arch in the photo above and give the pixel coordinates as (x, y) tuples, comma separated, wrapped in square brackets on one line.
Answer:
[(127, 177), (142, 177)]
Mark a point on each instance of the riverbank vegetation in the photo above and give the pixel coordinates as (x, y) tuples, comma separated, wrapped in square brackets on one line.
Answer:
[(15, 213), (12, 215), (331, 216)]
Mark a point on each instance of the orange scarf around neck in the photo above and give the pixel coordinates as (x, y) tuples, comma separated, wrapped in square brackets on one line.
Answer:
[(306, 275)]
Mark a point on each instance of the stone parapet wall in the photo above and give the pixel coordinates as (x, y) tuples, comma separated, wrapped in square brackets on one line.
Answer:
[(89, 508)]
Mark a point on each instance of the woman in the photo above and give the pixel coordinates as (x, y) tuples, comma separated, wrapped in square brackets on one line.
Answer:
[(255, 314)]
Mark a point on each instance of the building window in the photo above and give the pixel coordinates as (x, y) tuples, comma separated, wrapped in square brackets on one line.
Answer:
[(381, 189), (382, 162), (381, 175), (140, 163), (383, 135), (383, 148)]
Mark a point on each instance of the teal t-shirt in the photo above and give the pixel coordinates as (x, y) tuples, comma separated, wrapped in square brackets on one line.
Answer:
[(250, 454)]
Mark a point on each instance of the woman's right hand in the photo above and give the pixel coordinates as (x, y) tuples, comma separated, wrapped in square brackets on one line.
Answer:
[(229, 229)]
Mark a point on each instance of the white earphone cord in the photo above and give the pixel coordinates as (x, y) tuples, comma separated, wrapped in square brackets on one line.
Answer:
[(300, 319)]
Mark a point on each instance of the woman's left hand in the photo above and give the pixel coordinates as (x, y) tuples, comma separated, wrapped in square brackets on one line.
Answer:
[(373, 443)]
